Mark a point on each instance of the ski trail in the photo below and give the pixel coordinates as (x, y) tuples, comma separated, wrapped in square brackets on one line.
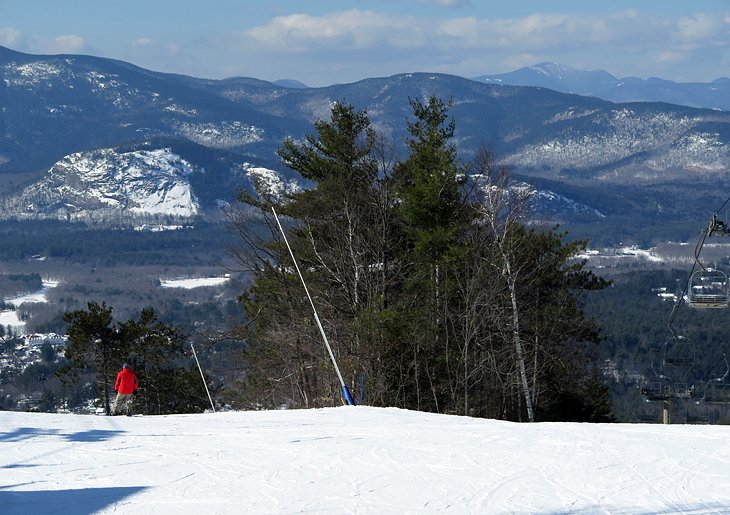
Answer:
[(629, 466), (355, 460)]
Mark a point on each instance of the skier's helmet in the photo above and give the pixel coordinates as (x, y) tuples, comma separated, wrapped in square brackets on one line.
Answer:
[(126, 365)]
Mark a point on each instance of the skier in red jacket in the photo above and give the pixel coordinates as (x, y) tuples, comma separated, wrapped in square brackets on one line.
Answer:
[(126, 387)]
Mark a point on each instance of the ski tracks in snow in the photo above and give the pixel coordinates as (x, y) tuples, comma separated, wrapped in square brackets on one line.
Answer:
[(660, 464), (356, 460)]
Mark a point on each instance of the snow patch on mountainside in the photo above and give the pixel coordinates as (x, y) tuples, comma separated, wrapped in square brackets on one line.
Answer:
[(571, 114), (701, 152), (659, 140), (106, 184), (269, 183), (30, 74), (221, 134), (11, 317), (190, 282), (547, 203), (103, 81)]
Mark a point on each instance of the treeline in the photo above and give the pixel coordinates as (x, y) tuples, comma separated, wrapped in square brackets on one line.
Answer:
[(64, 240), (15, 284), (434, 291)]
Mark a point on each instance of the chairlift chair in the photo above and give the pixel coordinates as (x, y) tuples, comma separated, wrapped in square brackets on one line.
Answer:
[(718, 227), (665, 389), (672, 371), (708, 288), (677, 352), (717, 390)]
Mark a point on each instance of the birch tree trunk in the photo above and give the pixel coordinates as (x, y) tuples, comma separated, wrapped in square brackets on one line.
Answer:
[(501, 208), (518, 343)]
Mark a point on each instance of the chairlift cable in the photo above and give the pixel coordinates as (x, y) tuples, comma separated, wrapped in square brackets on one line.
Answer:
[(714, 225), (674, 342)]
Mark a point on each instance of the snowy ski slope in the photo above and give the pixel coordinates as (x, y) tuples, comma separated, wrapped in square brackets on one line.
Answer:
[(355, 460)]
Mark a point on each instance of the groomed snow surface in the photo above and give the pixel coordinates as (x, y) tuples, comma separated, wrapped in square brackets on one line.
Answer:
[(355, 460)]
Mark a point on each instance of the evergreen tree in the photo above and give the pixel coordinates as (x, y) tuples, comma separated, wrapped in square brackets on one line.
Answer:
[(169, 383), (340, 232), (93, 342), (428, 282), (434, 217), (430, 198)]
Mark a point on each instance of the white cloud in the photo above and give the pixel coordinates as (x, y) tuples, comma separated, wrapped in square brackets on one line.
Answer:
[(454, 3), (9, 36), (671, 57), (143, 43), (538, 31), (699, 26), (353, 28), (360, 29), (69, 43), (65, 44), (353, 44)]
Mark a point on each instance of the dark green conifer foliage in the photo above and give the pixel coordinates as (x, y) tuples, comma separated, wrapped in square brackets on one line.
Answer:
[(339, 233), (428, 181), (169, 383), (92, 342), (418, 281), (558, 339)]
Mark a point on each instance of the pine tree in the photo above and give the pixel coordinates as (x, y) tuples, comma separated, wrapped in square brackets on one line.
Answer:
[(340, 232), (92, 342), (430, 199), (434, 217), (155, 350)]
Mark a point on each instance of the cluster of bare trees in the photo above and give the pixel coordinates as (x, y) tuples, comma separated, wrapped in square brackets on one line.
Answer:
[(433, 291)]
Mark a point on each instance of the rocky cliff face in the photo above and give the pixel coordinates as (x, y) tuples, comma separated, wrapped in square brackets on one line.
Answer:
[(104, 184)]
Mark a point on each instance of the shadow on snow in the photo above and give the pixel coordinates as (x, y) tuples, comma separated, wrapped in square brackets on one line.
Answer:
[(85, 500), (93, 435), (699, 508)]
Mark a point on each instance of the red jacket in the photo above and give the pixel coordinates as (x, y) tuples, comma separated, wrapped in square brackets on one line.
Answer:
[(126, 382)]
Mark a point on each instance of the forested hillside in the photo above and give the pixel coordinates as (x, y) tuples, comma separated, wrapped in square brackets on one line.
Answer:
[(634, 321)]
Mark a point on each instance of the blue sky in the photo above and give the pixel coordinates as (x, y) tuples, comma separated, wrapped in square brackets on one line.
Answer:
[(323, 42)]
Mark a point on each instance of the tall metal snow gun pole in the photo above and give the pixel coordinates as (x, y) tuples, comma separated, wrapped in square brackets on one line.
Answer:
[(345, 391), (203, 377)]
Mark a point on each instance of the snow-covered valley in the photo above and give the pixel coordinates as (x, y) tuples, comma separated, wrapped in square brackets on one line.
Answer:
[(10, 318)]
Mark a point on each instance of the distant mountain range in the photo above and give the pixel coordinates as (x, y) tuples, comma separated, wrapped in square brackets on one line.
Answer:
[(601, 84), (63, 110)]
